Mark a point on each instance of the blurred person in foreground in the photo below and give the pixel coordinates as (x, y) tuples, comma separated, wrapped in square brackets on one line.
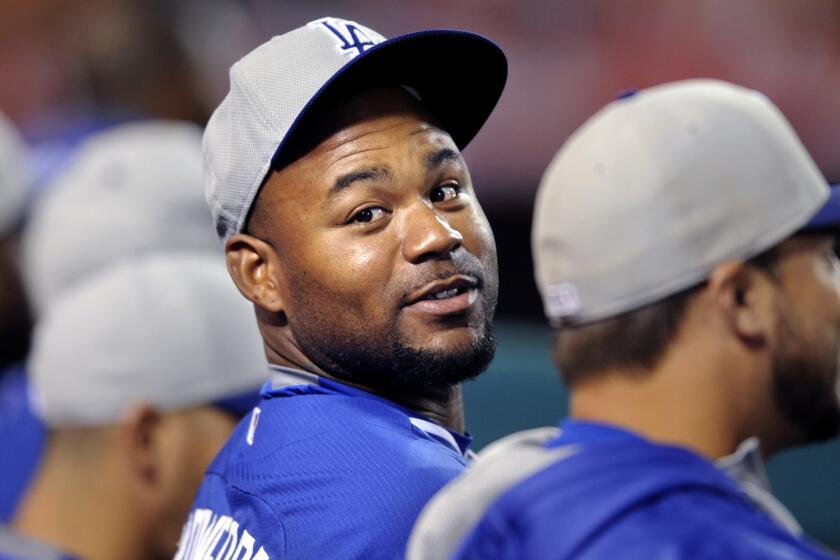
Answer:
[(130, 190), (683, 243), (334, 173), (140, 373)]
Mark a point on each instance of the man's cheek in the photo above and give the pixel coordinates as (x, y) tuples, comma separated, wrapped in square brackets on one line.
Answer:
[(361, 260)]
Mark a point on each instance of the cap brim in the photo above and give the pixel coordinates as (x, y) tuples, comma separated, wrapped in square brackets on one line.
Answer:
[(458, 75), (828, 217)]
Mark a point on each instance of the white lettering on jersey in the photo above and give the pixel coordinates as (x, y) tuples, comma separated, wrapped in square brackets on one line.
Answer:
[(210, 536), (252, 427)]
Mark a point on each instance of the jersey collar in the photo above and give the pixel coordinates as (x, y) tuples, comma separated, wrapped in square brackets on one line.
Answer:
[(286, 380)]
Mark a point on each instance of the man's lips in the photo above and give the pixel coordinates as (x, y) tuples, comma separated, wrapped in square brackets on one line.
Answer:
[(445, 297)]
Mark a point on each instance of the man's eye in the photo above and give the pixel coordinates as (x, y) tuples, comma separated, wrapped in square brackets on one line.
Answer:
[(445, 193), (368, 215)]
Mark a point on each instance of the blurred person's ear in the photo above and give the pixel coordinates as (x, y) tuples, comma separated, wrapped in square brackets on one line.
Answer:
[(746, 298), (139, 435), (255, 269), (187, 441)]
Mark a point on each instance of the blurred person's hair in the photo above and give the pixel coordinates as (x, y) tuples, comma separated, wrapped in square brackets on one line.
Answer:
[(633, 342)]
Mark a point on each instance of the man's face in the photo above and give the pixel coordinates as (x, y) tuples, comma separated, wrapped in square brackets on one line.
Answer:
[(388, 262), (805, 369)]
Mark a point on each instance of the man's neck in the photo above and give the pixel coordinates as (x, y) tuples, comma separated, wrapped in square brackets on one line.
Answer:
[(75, 514), (663, 407), (444, 406)]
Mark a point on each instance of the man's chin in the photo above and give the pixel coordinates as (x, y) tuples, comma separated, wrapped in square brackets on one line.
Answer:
[(413, 360), (449, 358), (451, 340)]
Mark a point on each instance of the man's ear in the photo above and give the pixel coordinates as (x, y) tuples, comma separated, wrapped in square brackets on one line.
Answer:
[(138, 434), (254, 267), (746, 297)]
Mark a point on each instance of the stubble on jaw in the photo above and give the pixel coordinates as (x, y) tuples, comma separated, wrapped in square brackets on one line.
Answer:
[(805, 384)]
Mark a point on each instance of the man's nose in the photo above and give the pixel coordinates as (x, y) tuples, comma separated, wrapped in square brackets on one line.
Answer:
[(428, 235)]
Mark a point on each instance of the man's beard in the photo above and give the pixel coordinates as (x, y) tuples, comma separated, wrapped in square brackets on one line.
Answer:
[(804, 385), (414, 368), (406, 369), (379, 358)]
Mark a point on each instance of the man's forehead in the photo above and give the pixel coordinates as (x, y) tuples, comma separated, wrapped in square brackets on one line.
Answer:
[(376, 148), (380, 151), (380, 127)]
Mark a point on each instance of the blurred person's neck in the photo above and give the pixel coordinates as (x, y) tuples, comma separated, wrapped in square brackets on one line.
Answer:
[(77, 506), (697, 397)]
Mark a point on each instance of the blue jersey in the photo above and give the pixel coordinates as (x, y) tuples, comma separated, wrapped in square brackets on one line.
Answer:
[(320, 470), (22, 437), (617, 495)]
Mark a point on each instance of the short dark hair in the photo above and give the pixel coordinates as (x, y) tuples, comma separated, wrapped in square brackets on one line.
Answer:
[(257, 221), (632, 341)]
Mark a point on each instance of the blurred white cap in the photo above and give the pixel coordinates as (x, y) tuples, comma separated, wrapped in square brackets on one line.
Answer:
[(658, 188), (131, 189), (14, 176), (167, 330)]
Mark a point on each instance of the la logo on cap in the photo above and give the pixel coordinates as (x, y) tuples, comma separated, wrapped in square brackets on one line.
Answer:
[(351, 38)]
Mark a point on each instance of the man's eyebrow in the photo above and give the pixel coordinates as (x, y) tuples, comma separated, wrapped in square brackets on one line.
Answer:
[(436, 159), (370, 174)]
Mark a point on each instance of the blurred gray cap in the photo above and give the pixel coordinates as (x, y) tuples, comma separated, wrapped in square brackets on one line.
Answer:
[(658, 188), (458, 76), (166, 330), (131, 189), (14, 178)]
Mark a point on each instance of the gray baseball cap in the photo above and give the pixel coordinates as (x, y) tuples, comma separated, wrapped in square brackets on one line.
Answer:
[(658, 188), (131, 189), (13, 176), (169, 330), (458, 76)]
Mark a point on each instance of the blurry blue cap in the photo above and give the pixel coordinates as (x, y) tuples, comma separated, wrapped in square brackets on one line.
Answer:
[(828, 217)]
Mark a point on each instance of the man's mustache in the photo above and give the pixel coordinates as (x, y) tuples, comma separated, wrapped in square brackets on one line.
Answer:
[(459, 262)]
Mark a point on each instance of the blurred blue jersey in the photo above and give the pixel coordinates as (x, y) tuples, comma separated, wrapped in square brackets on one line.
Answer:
[(617, 495), (14, 546), (22, 437), (320, 470)]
